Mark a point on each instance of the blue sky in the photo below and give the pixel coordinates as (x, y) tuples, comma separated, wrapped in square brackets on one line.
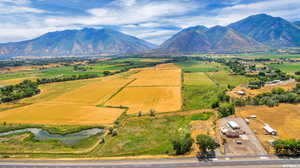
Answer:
[(152, 20)]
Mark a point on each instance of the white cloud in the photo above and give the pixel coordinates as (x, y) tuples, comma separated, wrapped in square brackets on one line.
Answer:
[(137, 13), (17, 7), (143, 19), (18, 10)]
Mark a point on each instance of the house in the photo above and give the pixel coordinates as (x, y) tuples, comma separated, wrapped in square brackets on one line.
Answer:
[(233, 125), (252, 116), (269, 130), (239, 92)]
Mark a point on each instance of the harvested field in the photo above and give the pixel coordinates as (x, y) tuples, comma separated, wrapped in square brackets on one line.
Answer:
[(14, 81), (160, 99), (61, 114), (160, 75), (285, 119), (286, 85), (69, 103), (94, 93)]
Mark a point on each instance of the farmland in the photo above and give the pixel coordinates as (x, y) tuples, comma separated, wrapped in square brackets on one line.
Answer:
[(290, 68), (149, 135), (203, 83), (61, 114), (181, 93), (285, 118), (157, 88)]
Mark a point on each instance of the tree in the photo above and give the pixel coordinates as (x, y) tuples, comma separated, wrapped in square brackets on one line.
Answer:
[(139, 114), (206, 144), (152, 112), (226, 109), (182, 145)]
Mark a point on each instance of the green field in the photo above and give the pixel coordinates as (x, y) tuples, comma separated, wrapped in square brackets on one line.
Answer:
[(92, 68), (25, 143), (148, 135), (290, 68), (201, 89), (198, 66)]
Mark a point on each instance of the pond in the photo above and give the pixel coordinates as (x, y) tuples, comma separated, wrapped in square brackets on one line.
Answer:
[(69, 139)]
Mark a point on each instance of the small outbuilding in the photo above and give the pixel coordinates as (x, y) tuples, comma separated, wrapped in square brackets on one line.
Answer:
[(269, 130), (233, 125), (239, 92)]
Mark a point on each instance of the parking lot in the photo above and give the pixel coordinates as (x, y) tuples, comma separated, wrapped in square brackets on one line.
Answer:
[(244, 144)]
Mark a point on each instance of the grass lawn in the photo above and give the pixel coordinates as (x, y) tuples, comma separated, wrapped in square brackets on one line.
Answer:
[(148, 135)]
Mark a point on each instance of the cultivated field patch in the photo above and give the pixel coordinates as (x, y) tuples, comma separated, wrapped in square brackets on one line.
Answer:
[(285, 119), (197, 78), (160, 75), (94, 93), (160, 99), (61, 114)]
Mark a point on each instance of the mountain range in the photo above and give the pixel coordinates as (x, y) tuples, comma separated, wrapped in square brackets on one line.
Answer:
[(217, 39), (255, 33), (87, 41)]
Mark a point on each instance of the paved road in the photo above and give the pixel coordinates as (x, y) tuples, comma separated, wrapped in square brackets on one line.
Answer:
[(163, 163)]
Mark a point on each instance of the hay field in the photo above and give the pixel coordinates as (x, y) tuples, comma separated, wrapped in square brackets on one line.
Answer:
[(94, 93), (157, 88), (69, 103), (160, 75), (285, 119), (61, 114), (160, 99)]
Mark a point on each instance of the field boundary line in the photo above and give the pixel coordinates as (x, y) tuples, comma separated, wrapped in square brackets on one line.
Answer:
[(118, 91), (154, 86), (213, 81)]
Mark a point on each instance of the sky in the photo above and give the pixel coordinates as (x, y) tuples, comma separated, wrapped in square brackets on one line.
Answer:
[(151, 20)]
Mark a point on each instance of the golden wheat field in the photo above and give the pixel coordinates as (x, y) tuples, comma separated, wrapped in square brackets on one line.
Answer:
[(75, 106), (157, 88), (61, 114), (160, 99), (285, 118), (160, 75), (94, 93)]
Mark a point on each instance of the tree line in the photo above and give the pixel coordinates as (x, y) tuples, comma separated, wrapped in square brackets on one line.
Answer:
[(273, 98), (24, 89), (287, 147)]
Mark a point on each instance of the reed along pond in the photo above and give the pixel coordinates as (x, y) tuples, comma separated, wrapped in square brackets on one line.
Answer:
[(69, 139)]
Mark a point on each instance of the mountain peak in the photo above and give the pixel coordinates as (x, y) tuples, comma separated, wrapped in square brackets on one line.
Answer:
[(87, 41), (218, 39), (273, 31)]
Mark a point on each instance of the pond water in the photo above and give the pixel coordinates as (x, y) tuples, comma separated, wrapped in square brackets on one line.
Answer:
[(69, 139)]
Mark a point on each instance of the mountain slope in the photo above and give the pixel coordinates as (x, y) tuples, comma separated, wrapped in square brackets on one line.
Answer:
[(297, 23), (217, 39), (76, 42), (272, 31)]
